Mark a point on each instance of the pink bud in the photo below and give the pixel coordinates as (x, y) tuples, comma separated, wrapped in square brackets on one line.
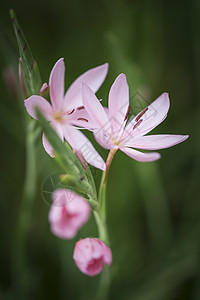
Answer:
[(44, 88), (90, 254), (68, 213)]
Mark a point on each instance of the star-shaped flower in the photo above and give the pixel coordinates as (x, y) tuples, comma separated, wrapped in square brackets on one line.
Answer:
[(66, 110), (114, 132)]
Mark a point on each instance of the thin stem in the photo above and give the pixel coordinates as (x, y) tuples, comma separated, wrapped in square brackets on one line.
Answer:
[(108, 162), (23, 223), (102, 227), (100, 217)]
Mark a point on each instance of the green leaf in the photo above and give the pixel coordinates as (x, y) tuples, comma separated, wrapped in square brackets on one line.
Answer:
[(77, 183), (30, 71)]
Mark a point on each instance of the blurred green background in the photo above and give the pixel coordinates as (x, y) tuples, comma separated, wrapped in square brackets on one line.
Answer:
[(153, 208)]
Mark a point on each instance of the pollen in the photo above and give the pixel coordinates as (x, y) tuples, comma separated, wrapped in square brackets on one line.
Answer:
[(58, 116)]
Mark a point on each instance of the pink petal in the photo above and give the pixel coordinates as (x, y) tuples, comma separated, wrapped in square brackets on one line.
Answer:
[(93, 78), (94, 108), (90, 254), (118, 104), (104, 140), (62, 197), (56, 84), (61, 232), (155, 142), (107, 255), (79, 142), (37, 101), (82, 119), (68, 213), (47, 146), (140, 156), (155, 114)]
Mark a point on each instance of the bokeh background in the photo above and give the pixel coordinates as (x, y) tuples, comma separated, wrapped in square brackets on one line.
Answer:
[(153, 208)]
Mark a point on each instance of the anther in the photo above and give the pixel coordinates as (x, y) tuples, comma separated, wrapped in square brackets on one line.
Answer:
[(127, 113), (80, 107), (82, 119), (137, 124), (141, 114), (71, 112)]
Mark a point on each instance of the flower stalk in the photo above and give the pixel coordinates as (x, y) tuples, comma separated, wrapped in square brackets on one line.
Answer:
[(24, 220), (100, 217)]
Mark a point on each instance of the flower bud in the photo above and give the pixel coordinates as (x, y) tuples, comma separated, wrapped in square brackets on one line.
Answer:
[(90, 254), (20, 70), (68, 213), (44, 91)]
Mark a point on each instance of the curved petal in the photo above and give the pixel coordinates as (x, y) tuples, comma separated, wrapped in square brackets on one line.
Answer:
[(93, 78), (79, 142), (95, 109), (81, 118), (140, 156), (104, 140), (118, 104), (155, 142), (47, 146), (151, 116), (56, 84), (37, 101)]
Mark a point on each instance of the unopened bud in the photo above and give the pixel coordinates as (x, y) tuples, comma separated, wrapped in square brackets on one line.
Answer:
[(21, 78), (44, 91)]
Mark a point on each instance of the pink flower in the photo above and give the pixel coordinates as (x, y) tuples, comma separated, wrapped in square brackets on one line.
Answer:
[(66, 110), (90, 256), (114, 132), (68, 213)]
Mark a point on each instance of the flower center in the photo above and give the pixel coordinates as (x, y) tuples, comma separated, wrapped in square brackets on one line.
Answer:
[(61, 116), (58, 117)]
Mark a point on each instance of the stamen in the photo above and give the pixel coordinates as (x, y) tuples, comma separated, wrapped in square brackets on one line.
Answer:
[(80, 107), (71, 112), (127, 113), (141, 114), (137, 124), (82, 119)]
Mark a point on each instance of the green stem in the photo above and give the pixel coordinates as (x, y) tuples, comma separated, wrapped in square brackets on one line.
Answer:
[(102, 227), (102, 189), (21, 272), (100, 217)]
